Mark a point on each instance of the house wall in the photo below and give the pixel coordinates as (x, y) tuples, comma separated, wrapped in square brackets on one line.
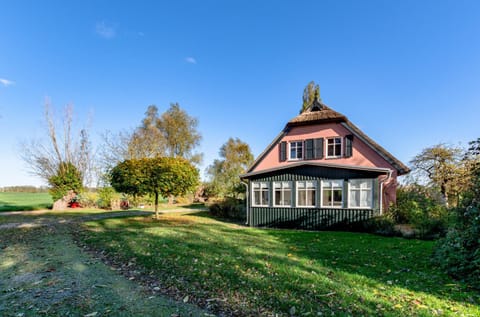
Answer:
[(362, 155)]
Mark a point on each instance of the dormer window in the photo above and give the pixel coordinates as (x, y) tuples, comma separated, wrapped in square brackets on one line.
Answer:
[(296, 150), (334, 147)]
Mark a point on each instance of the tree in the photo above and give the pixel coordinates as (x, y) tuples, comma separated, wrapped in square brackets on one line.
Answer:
[(148, 140), (459, 252), (441, 166), (160, 176), (224, 173), (180, 133), (68, 178), (172, 134), (310, 92), (46, 159)]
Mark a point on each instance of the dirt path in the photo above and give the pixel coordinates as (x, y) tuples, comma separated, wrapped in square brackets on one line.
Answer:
[(44, 273)]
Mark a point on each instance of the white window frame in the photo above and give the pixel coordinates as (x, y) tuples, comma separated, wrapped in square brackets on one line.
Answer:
[(360, 189), (290, 158), (334, 145), (322, 188), (297, 192), (282, 193), (261, 195)]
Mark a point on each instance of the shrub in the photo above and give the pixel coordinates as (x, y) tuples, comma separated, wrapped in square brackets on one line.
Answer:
[(68, 178), (459, 252), (381, 225), (88, 199), (106, 195), (230, 208), (421, 207)]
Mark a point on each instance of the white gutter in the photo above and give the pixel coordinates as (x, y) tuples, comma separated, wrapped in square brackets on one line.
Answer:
[(246, 200), (389, 176)]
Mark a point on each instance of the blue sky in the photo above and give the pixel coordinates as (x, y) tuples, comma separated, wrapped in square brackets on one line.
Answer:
[(406, 72)]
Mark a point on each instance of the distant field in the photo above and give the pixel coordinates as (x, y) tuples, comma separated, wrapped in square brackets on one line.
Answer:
[(24, 201)]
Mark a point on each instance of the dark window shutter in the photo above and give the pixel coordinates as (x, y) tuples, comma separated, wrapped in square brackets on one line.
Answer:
[(283, 151), (348, 145), (318, 148), (309, 154)]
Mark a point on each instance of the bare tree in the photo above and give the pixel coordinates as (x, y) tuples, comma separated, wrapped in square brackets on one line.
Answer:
[(44, 157)]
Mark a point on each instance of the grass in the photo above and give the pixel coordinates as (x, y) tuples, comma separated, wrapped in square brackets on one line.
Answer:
[(44, 273), (24, 201), (244, 271)]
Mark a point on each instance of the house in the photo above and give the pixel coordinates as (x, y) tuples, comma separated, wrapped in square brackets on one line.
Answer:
[(320, 171)]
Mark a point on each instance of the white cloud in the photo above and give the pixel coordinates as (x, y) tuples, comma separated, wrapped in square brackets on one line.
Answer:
[(190, 60), (105, 30), (6, 82)]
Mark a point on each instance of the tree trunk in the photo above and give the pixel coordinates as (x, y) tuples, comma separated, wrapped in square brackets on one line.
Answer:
[(156, 205)]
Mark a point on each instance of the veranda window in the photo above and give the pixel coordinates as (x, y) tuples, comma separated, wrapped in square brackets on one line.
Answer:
[(260, 194), (360, 193), (306, 193), (332, 193), (283, 194)]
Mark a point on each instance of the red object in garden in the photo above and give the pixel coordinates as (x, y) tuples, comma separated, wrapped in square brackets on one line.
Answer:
[(74, 205)]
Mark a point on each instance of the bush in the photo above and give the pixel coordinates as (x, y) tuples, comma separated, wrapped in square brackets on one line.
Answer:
[(88, 199), (421, 207), (68, 178), (381, 225), (106, 196), (459, 252), (230, 208)]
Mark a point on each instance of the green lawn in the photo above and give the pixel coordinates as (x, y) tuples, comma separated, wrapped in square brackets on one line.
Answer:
[(24, 201), (244, 271)]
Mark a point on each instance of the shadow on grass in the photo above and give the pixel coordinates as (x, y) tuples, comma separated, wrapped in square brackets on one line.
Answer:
[(256, 271)]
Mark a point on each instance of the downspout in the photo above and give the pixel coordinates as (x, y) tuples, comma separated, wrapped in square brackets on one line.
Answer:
[(246, 200), (389, 176)]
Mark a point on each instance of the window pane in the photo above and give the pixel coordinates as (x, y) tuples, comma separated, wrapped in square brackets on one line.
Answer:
[(338, 150), (278, 197), (302, 198), (256, 197), (337, 197), (287, 197), (327, 197), (354, 198), (265, 197), (311, 198), (277, 185)]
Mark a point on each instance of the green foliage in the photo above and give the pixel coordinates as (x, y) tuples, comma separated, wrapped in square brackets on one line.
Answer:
[(105, 197), (459, 252), (230, 208), (68, 178), (381, 225), (441, 167), (129, 177), (160, 176), (224, 173), (309, 93), (88, 199), (421, 207), (180, 133)]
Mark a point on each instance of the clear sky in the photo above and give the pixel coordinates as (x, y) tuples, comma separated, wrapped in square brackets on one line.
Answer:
[(406, 72)]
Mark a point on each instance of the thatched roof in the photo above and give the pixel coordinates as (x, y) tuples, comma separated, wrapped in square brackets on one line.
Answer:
[(317, 113)]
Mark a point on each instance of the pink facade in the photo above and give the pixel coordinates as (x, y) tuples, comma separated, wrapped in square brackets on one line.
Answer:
[(363, 155)]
